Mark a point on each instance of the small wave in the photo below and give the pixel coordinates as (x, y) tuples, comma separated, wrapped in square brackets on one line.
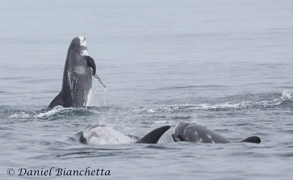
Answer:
[(194, 87), (21, 115), (66, 112), (285, 98), (161, 122), (228, 103), (26, 115), (218, 106), (53, 113), (241, 105), (50, 112)]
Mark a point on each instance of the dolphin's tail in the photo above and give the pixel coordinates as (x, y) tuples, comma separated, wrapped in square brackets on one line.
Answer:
[(154, 136), (252, 139)]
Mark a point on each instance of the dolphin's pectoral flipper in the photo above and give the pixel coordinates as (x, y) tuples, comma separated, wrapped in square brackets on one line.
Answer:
[(154, 136), (91, 63), (58, 100), (252, 139)]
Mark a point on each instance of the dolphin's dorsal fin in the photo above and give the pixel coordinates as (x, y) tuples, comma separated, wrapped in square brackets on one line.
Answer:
[(57, 101), (252, 139), (154, 136)]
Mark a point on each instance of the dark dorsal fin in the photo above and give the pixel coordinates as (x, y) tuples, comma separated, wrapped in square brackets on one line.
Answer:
[(91, 63), (252, 139), (154, 136), (57, 101)]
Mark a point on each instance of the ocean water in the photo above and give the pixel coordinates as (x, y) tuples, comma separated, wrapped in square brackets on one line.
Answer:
[(223, 64)]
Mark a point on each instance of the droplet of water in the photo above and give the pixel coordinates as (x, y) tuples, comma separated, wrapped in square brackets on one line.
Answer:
[(105, 96)]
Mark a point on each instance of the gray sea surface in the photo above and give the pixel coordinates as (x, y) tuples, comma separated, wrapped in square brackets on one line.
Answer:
[(225, 64)]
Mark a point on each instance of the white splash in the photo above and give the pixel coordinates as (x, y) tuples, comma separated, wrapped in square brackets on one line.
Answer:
[(151, 110), (161, 122), (105, 96), (89, 97), (21, 115), (53, 111), (287, 95)]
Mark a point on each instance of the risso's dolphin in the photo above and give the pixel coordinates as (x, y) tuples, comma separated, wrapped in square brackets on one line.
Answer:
[(102, 135), (192, 132), (77, 77)]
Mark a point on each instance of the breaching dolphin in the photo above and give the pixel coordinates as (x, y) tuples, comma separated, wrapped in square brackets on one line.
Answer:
[(77, 77), (192, 132)]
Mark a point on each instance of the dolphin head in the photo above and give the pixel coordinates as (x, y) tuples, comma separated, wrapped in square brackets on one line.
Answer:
[(79, 45)]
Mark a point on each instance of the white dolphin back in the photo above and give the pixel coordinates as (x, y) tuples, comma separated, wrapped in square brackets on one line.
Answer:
[(102, 135)]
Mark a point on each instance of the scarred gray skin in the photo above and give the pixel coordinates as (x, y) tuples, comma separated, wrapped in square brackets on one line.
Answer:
[(197, 133), (192, 132), (77, 77)]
